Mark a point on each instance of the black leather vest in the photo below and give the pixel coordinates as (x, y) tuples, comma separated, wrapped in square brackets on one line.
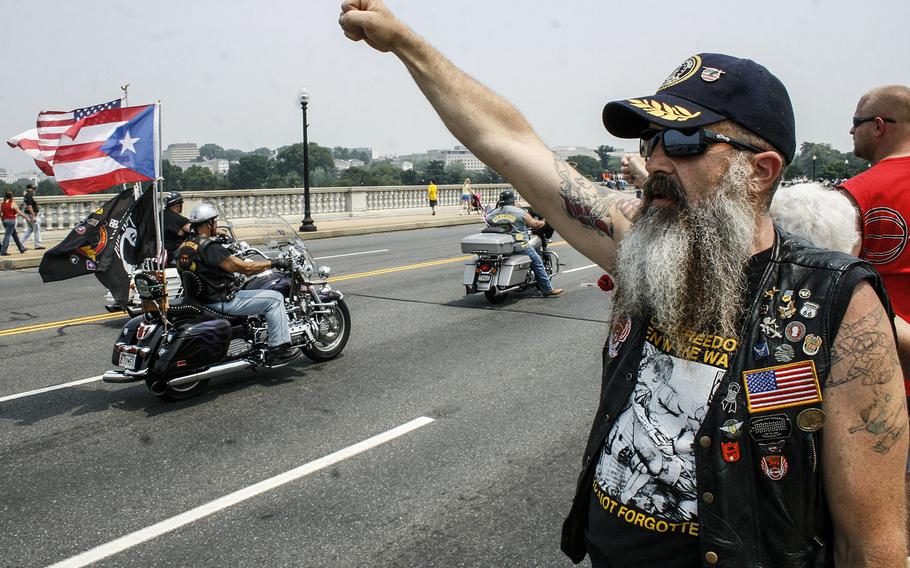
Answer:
[(217, 285), (775, 517)]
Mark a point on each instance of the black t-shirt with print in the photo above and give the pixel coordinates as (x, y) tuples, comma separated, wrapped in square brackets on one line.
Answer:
[(642, 509)]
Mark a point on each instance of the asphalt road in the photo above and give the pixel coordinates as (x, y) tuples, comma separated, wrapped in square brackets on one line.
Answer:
[(509, 392)]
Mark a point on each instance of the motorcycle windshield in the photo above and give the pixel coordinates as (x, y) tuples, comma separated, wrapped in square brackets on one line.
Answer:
[(271, 235)]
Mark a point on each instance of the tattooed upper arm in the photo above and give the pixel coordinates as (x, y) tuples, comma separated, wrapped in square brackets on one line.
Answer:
[(591, 206), (864, 361)]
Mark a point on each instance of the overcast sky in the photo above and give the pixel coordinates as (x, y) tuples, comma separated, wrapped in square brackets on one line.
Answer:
[(228, 71)]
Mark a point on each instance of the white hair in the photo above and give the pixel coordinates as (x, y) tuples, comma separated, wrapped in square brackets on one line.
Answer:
[(825, 217)]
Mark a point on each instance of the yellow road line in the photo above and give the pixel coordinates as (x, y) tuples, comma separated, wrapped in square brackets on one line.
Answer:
[(105, 317), (61, 323)]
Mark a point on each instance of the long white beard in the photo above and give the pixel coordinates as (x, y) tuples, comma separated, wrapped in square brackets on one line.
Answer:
[(685, 266)]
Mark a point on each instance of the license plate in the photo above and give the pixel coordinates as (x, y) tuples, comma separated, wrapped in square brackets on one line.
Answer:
[(127, 360), (484, 278)]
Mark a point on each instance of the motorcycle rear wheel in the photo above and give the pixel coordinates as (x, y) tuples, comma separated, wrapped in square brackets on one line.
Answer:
[(179, 392), (335, 329), (494, 296)]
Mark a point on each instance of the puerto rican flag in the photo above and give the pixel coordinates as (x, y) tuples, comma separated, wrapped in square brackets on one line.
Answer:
[(794, 384), (108, 148), (40, 143)]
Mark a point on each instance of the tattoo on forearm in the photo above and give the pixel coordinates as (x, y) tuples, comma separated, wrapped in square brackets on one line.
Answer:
[(864, 351), (589, 205)]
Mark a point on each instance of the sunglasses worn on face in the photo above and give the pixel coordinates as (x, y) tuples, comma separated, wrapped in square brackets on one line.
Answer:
[(857, 120), (685, 143)]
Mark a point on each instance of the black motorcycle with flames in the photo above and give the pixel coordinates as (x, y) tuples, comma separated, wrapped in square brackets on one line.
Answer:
[(177, 347)]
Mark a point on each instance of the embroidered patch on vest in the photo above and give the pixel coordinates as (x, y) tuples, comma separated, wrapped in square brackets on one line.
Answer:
[(783, 386)]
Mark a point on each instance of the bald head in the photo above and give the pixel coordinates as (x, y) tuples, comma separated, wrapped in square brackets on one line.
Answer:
[(888, 135), (891, 101)]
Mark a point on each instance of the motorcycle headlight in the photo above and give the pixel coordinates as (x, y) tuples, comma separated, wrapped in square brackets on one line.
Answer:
[(324, 271)]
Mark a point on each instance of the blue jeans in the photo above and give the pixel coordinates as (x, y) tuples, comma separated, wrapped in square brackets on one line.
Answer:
[(268, 302), (540, 272), (10, 231), (33, 227)]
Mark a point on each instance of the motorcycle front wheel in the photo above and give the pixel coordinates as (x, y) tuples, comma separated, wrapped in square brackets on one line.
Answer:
[(334, 330)]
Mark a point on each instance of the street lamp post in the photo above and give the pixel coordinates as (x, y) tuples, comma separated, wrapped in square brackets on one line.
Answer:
[(303, 96), (814, 159)]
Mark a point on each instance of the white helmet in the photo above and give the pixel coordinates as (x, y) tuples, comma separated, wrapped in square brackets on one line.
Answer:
[(203, 213)]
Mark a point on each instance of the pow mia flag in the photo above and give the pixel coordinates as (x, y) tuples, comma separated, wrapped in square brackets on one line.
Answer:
[(120, 230)]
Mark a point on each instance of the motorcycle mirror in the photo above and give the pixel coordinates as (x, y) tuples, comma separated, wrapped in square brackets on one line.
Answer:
[(324, 271)]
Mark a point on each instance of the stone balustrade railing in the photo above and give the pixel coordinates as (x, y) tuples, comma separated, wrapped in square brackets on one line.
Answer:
[(67, 212)]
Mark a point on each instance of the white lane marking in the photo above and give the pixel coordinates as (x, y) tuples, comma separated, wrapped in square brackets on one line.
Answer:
[(350, 254), (51, 388), (168, 525), (577, 269)]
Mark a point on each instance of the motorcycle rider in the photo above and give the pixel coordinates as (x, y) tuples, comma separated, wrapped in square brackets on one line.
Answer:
[(176, 226), (216, 267), (518, 221)]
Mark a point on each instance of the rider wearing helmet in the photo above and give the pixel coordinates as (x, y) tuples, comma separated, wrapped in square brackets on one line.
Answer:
[(215, 267), (176, 226), (518, 221)]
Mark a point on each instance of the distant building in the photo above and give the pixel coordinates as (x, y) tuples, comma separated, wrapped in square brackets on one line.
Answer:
[(186, 152), (342, 165), (563, 152), (216, 166), (405, 165), (463, 156), (33, 176)]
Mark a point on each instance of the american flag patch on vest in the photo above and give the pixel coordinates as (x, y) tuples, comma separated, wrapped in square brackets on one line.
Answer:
[(793, 384)]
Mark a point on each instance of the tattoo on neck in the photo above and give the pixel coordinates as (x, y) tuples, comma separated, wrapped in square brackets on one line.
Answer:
[(589, 205)]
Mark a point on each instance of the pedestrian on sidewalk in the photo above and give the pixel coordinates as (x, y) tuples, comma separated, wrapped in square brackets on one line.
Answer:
[(431, 195), (466, 195), (8, 212), (32, 216)]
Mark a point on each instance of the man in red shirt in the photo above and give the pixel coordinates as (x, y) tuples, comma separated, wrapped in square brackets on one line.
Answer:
[(881, 194)]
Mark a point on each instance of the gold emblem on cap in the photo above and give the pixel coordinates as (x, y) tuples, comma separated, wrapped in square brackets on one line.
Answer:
[(663, 110), (685, 70), (811, 419)]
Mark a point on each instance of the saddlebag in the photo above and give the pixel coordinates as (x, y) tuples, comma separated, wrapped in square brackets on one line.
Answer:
[(195, 346)]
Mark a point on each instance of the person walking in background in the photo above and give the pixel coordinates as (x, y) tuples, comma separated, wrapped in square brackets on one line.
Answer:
[(432, 196), (32, 216), (8, 212), (466, 195)]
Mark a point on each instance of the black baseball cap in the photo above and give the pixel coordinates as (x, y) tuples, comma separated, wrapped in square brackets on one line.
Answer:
[(709, 88)]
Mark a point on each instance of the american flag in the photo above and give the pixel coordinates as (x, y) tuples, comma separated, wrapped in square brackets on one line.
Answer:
[(41, 142), (793, 384)]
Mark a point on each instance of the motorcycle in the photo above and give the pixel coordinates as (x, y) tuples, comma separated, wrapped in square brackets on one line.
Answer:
[(176, 348), (497, 270)]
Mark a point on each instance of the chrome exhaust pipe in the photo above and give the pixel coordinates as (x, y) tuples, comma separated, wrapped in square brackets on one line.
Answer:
[(210, 373), (158, 388), (120, 377)]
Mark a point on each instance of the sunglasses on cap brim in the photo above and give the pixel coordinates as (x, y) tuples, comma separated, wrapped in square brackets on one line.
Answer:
[(686, 143)]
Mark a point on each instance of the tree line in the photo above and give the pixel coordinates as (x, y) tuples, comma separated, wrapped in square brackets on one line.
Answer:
[(264, 168)]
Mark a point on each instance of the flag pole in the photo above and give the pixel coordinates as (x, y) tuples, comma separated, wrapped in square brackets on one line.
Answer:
[(159, 214)]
